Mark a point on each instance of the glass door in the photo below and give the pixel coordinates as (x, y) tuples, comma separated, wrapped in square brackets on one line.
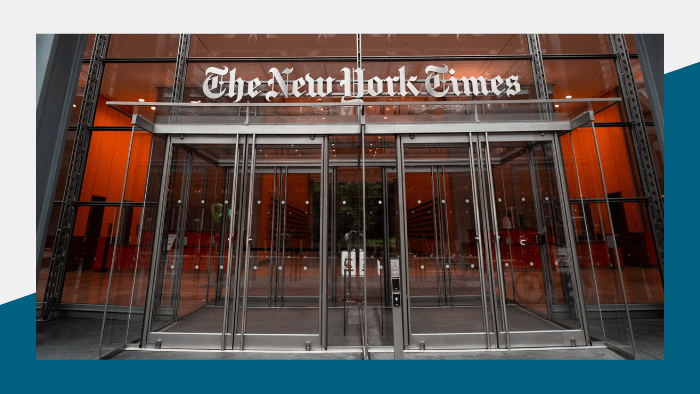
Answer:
[(281, 275), (487, 260), (184, 307)]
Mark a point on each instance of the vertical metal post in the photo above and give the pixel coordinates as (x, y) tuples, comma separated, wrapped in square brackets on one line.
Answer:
[(74, 178), (497, 240), (332, 259), (642, 149), (436, 235), (229, 258), (485, 239), (183, 51), (323, 331), (446, 239), (240, 244), (361, 262), (248, 241), (533, 43), (401, 335), (479, 239), (283, 235), (383, 283)]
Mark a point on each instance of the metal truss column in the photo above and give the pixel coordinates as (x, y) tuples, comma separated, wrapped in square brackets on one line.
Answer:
[(183, 51), (74, 178), (533, 43), (640, 140)]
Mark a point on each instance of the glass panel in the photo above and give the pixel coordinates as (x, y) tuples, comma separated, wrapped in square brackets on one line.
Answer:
[(273, 45), (535, 255), (103, 178), (598, 259), (91, 250), (631, 46), (443, 44), (284, 263), (128, 272), (149, 82), (617, 157), (574, 44), (635, 242), (88, 47), (443, 260), (196, 249), (346, 285), (557, 254), (584, 78), (607, 273), (146, 239), (172, 238), (233, 239), (142, 45)]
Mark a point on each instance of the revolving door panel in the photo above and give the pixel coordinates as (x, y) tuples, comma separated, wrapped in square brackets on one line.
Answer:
[(184, 306), (487, 259), (281, 276)]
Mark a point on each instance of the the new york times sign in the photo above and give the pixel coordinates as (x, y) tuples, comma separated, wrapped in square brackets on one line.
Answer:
[(440, 82)]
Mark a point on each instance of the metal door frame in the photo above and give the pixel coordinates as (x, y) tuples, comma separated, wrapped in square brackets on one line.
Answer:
[(225, 340), (505, 339)]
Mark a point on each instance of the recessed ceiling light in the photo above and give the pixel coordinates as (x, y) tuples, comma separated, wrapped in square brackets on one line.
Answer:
[(568, 96), (74, 105), (556, 105), (142, 100), (153, 108)]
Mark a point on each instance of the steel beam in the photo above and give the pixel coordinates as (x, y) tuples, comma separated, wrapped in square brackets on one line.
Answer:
[(640, 140), (183, 51), (74, 178), (533, 43)]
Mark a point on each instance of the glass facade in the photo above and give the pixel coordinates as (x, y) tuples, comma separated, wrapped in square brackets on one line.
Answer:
[(503, 235)]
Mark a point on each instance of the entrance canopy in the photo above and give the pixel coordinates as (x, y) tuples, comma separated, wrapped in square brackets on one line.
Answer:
[(385, 117)]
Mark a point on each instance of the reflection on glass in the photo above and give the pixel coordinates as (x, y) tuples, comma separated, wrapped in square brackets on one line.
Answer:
[(273, 45), (443, 44), (87, 267), (189, 266), (150, 82), (574, 44), (584, 78), (283, 268), (103, 179), (616, 155), (142, 45)]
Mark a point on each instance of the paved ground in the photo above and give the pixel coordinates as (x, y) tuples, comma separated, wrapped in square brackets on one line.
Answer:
[(78, 339)]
